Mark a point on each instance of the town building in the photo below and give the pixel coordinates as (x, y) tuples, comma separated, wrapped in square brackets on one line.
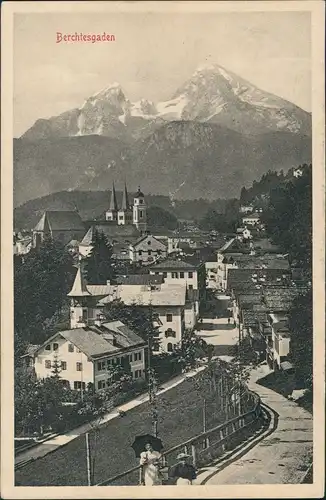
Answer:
[(88, 355), (174, 307), (62, 226), (251, 220), (147, 250)]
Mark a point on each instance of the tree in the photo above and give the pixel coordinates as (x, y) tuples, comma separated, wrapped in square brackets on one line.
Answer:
[(41, 284), (56, 368), (191, 350), (157, 217), (301, 346), (99, 265), (288, 218)]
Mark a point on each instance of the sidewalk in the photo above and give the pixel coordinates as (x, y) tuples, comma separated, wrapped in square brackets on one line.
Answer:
[(282, 457), (52, 444)]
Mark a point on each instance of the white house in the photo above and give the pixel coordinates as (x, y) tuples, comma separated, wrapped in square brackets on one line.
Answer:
[(147, 250), (87, 355), (251, 220), (280, 338), (168, 304)]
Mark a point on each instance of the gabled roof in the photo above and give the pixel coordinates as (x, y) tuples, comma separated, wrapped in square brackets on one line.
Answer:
[(88, 238), (88, 341), (157, 243), (173, 264), (167, 296), (125, 337), (140, 279), (60, 221)]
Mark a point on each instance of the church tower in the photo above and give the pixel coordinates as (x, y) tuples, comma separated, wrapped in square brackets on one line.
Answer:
[(125, 212), (112, 213), (139, 211)]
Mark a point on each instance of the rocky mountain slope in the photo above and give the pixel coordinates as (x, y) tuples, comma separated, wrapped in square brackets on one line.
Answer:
[(217, 133), (212, 94), (181, 160)]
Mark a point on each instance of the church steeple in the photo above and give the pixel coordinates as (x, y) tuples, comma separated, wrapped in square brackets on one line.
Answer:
[(125, 201), (125, 212), (113, 201), (112, 213)]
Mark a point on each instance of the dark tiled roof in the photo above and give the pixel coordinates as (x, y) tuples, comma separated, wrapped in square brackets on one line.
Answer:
[(174, 264), (262, 261), (251, 317), (60, 221), (140, 279), (255, 276), (112, 230), (88, 341), (281, 298)]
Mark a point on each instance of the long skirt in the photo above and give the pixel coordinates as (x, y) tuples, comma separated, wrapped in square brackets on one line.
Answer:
[(182, 481)]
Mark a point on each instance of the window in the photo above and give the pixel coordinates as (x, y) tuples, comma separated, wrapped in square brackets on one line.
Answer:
[(170, 333), (149, 242), (120, 217), (70, 348), (140, 253), (169, 318), (140, 214), (165, 275), (78, 385), (47, 363), (130, 358), (174, 275), (191, 287), (85, 314), (137, 373), (108, 363), (137, 356), (55, 346), (101, 365), (48, 347), (101, 384), (182, 275), (79, 367), (140, 201), (190, 275), (159, 252), (149, 252), (170, 347), (63, 365)]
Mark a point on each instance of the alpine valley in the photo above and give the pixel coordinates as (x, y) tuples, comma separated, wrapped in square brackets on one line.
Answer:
[(217, 133)]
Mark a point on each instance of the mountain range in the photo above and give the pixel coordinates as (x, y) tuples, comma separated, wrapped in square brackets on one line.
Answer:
[(217, 133)]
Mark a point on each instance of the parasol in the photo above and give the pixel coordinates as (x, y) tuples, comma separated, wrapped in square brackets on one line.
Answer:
[(141, 441)]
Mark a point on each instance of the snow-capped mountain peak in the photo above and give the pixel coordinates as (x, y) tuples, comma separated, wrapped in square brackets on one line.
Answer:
[(212, 94)]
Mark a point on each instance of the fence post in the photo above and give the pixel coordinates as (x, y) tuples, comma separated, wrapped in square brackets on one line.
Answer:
[(88, 460), (194, 455)]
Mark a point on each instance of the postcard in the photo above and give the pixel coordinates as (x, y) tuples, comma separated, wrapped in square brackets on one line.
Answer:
[(163, 249)]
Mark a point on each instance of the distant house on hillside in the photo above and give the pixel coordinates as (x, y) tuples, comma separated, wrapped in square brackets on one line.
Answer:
[(251, 220), (147, 249), (62, 226)]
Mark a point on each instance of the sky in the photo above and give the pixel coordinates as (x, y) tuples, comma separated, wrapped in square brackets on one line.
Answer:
[(153, 54)]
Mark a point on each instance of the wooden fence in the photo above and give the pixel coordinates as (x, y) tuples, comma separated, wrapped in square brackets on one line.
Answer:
[(203, 448)]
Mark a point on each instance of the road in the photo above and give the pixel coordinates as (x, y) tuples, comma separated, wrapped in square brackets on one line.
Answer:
[(222, 335), (283, 456)]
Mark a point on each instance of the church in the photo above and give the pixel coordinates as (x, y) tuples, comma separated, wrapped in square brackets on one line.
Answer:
[(128, 214)]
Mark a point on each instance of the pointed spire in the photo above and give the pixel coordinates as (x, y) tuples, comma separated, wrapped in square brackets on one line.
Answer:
[(79, 288), (113, 201), (125, 201)]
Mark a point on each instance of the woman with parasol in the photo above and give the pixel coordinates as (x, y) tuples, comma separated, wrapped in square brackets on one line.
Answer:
[(148, 448)]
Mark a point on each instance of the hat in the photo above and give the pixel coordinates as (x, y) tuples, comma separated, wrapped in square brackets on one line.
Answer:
[(182, 455)]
